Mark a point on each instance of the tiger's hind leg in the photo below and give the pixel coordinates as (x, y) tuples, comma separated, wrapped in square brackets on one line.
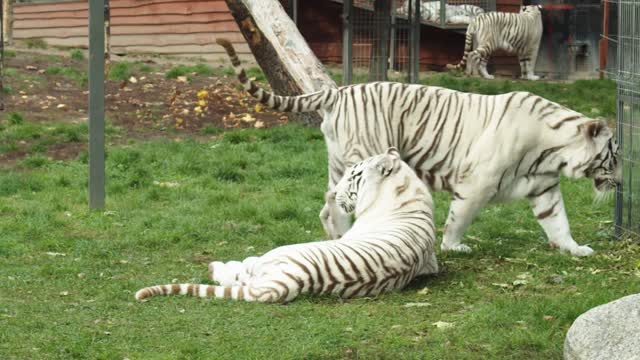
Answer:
[(483, 58), (232, 273), (549, 210)]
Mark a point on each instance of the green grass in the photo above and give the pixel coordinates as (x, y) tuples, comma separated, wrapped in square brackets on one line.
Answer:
[(76, 54), (35, 43), (203, 70), (244, 194), (78, 76)]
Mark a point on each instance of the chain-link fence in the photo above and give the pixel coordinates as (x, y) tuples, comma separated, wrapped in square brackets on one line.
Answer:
[(622, 36)]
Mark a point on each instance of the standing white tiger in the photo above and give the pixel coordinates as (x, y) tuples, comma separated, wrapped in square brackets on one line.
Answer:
[(391, 242), (454, 14), (518, 34), (480, 148)]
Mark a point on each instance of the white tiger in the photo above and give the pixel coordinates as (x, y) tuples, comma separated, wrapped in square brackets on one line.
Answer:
[(454, 14), (390, 243), (480, 148), (518, 34)]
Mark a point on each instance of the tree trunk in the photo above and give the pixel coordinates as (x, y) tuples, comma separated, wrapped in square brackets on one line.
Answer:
[(7, 21), (280, 50)]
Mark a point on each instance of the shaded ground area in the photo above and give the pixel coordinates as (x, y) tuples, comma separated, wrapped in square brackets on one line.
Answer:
[(144, 99)]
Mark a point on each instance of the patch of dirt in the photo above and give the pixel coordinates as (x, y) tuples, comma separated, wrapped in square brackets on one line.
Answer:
[(147, 105)]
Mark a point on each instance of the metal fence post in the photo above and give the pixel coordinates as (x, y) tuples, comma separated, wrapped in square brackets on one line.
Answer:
[(415, 19), (96, 104), (347, 42)]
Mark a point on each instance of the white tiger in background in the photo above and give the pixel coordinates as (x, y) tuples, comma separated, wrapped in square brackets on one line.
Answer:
[(516, 33), (480, 148), (454, 14), (390, 243)]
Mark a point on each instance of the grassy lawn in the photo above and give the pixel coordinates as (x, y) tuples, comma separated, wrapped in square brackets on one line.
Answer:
[(68, 275)]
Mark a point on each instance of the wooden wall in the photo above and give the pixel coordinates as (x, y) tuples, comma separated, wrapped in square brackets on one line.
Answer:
[(170, 27)]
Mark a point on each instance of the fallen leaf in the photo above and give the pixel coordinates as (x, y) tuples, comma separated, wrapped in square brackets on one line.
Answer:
[(417, 304), (502, 285), (442, 324), (31, 68), (258, 108), (248, 118), (423, 291), (182, 79), (548, 318), (519, 282), (64, 293), (133, 80), (50, 253), (259, 124), (62, 106)]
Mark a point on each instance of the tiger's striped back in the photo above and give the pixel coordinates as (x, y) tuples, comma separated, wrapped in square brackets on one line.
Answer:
[(391, 242)]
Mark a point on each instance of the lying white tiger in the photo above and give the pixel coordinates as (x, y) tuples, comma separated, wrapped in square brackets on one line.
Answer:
[(454, 14), (390, 243), (518, 34), (480, 148)]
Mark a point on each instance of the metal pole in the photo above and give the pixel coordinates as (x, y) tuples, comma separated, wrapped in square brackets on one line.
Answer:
[(392, 43), (96, 104), (620, 132), (293, 10), (415, 19), (347, 42)]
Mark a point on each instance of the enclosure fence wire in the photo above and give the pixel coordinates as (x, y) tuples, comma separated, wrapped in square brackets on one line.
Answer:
[(623, 66)]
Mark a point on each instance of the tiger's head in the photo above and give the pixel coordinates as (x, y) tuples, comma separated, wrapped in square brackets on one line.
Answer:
[(367, 181), (601, 156), (531, 9)]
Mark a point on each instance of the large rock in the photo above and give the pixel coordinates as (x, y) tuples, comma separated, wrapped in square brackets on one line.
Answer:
[(606, 332)]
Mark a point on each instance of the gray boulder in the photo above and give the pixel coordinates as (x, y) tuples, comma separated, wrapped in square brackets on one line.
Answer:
[(606, 332)]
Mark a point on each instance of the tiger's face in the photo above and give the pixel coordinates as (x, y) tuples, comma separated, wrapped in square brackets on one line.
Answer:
[(605, 168), (531, 9), (360, 181)]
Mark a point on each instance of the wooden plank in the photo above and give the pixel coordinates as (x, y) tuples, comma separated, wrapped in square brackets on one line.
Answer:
[(51, 32), (49, 23), (185, 8), (133, 4), (170, 19), (220, 26), (54, 15), (178, 49), (175, 39), (43, 8)]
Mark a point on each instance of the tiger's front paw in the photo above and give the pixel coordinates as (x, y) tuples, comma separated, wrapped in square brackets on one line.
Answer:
[(581, 251), (457, 248), (533, 77)]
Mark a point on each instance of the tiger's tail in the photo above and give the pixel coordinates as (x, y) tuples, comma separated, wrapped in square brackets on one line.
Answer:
[(468, 47), (197, 290), (303, 103)]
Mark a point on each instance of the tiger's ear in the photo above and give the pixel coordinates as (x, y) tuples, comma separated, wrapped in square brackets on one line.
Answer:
[(389, 163), (393, 152), (595, 129)]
